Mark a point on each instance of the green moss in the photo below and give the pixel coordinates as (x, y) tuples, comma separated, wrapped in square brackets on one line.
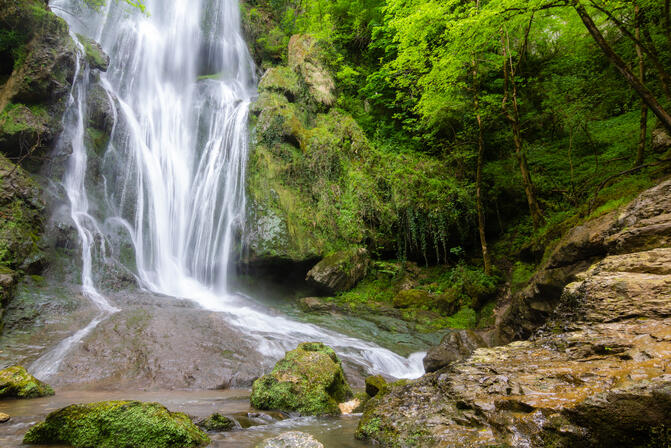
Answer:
[(281, 79), (94, 54), (308, 380), (16, 382), (117, 424), (217, 422)]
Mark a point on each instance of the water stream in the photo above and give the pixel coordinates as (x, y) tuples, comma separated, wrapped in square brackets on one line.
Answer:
[(172, 178)]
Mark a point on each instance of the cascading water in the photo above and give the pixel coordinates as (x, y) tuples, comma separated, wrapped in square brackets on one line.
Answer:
[(182, 81)]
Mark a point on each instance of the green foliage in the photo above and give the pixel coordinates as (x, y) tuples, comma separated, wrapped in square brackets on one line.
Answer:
[(118, 424)]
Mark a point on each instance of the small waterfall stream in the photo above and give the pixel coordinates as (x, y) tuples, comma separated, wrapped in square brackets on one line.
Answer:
[(173, 173)]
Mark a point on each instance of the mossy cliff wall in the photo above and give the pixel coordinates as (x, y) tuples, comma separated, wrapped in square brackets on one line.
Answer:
[(317, 184), (37, 67)]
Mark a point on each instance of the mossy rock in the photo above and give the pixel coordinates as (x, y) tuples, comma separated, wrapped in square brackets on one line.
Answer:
[(16, 382), (117, 424), (340, 271), (95, 55), (281, 79), (308, 380), (375, 385), (217, 423)]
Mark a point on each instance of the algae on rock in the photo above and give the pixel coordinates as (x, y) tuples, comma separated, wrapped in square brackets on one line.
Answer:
[(308, 380), (16, 382), (117, 424)]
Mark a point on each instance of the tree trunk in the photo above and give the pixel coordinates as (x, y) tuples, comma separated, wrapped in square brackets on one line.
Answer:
[(645, 94), (478, 176), (513, 117), (640, 153)]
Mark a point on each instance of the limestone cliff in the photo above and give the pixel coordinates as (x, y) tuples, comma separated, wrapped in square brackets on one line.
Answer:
[(597, 373)]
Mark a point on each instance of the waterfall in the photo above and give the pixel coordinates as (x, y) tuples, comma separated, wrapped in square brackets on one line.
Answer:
[(182, 80)]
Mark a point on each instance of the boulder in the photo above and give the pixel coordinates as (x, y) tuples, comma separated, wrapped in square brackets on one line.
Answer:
[(308, 380), (217, 422), (292, 439), (4, 418), (596, 374), (305, 57), (16, 382), (455, 346), (340, 271), (661, 140), (115, 424)]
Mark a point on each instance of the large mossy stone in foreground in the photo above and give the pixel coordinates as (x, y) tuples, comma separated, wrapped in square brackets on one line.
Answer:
[(16, 382), (308, 380), (117, 424)]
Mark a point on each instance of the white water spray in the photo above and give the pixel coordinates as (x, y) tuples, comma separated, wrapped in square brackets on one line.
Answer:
[(176, 163)]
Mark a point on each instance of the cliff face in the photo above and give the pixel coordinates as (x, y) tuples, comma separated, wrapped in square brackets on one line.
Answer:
[(37, 67), (597, 373)]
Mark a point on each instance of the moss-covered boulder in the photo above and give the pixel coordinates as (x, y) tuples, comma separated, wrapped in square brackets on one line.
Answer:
[(117, 424), (340, 271), (306, 57), (16, 382), (217, 423), (308, 380)]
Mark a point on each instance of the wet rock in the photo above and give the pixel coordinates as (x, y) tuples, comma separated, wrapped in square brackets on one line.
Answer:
[(39, 83), (217, 422), (315, 305), (305, 57), (340, 271), (455, 346), (111, 424), (375, 384), (95, 55), (643, 224), (292, 439), (596, 374), (308, 380), (16, 382), (250, 419), (4, 418), (21, 222), (136, 348)]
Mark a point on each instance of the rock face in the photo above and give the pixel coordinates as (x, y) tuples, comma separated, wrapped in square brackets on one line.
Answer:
[(598, 373), (305, 58), (455, 346), (115, 424), (308, 380), (41, 56), (292, 439), (643, 224), (340, 271), (16, 382)]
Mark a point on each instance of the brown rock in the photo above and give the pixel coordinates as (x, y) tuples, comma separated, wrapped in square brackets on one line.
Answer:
[(4, 418), (597, 374), (455, 346), (340, 271)]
